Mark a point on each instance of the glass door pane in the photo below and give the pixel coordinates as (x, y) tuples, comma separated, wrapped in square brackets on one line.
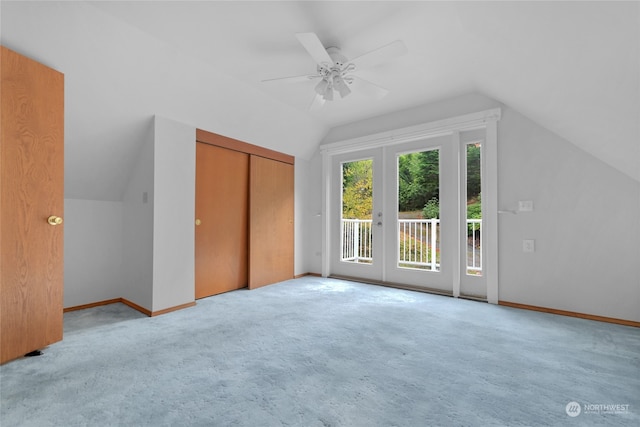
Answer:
[(357, 211), (418, 212), (474, 209)]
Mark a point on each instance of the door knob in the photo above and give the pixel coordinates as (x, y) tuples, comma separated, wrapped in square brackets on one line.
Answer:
[(198, 222), (54, 220)]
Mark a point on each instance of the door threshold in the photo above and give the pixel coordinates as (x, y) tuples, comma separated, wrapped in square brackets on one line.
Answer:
[(473, 298), (395, 285)]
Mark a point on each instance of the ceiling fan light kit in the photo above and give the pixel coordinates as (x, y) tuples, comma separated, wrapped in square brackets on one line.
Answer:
[(333, 75), (335, 71)]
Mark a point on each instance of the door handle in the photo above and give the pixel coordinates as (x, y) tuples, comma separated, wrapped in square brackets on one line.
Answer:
[(379, 224), (198, 222), (54, 220)]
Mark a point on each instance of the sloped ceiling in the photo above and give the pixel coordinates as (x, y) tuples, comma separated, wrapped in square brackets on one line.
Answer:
[(574, 67)]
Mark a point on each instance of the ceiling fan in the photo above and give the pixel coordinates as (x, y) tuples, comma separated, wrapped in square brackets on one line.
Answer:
[(336, 72)]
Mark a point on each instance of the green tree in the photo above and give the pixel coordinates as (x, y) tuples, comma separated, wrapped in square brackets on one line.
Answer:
[(473, 171), (418, 179), (357, 189), (428, 178), (474, 210), (418, 183), (405, 181), (431, 209)]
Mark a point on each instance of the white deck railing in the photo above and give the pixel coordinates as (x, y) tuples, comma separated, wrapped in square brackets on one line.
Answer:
[(419, 243), (474, 246), (357, 240)]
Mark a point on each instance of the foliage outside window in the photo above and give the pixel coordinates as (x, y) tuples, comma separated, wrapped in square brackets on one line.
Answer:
[(357, 189)]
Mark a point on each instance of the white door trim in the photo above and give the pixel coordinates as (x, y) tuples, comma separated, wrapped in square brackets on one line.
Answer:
[(455, 142), (413, 133), (490, 209)]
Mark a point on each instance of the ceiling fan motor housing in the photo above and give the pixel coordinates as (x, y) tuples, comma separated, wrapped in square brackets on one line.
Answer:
[(338, 58), (339, 62)]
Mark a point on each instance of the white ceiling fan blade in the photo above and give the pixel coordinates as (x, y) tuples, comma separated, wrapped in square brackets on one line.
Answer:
[(312, 44), (379, 55), (293, 79), (317, 103), (367, 88)]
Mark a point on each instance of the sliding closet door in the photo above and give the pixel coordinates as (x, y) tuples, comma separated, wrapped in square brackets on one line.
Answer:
[(271, 221), (221, 220)]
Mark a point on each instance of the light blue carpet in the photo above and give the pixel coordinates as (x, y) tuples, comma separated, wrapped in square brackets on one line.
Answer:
[(324, 352)]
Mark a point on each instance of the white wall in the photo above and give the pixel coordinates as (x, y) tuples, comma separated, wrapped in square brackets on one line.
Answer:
[(174, 214), (585, 221), (137, 241), (308, 207), (92, 251), (585, 224), (158, 242)]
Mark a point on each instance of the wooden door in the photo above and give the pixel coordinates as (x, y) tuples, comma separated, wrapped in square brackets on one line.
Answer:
[(271, 239), (31, 191), (222, 177)]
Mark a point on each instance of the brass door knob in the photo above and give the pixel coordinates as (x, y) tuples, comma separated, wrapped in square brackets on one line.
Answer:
[(54, 220), (198, 222)]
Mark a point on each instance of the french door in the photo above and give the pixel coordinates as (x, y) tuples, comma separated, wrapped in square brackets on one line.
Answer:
[(421, 249), (399, 214), (357, 217)]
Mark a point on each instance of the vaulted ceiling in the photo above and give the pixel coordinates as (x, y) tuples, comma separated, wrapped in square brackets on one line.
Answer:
[(573, 67)]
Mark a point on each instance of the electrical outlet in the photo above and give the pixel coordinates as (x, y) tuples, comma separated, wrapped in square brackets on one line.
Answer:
[(525, 205), (528, 245)]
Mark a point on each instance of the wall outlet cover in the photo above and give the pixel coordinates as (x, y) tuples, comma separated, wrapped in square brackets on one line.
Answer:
[(528, 245)]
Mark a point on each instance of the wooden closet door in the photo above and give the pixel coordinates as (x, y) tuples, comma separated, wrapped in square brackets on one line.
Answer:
[(31, 191), (222, 177), (271, 241)]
